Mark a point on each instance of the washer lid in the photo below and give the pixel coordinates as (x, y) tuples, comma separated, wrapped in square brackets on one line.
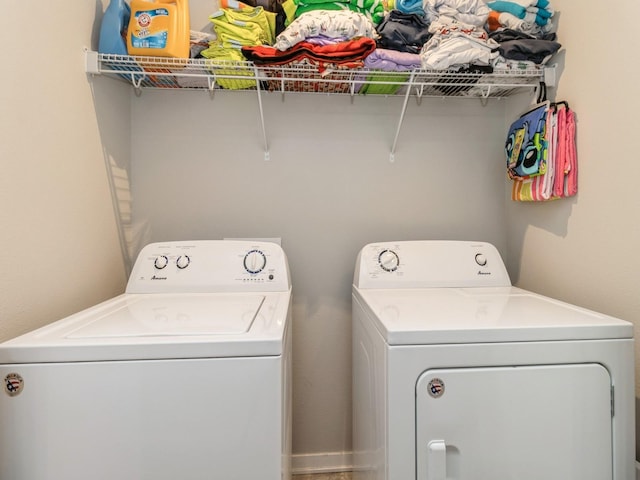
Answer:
[(176, 315), (160, 326), (483, 315)]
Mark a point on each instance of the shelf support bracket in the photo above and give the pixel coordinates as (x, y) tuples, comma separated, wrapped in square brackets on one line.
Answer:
[(136, 81), (352, 88), (550, 75), (91, 64), (392, 156), (484, 98), (282, 89), (256, 75), (211, 83), (419, 92)]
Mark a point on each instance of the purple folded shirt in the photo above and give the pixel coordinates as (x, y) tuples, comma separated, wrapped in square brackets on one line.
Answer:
[(324, 40), (392, 60)]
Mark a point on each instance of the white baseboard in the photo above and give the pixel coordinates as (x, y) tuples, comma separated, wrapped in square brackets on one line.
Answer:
[(308, 463), (339, 462), (321, 462)]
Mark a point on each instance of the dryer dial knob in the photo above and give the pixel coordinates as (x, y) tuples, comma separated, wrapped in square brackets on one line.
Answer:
[(389, 260), (183, 262), (160, 262), (255, 261), (481, 259)]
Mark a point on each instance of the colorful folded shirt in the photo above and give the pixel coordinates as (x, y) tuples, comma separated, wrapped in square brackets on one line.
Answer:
[(351, 52), (372, 9), (539, 15)]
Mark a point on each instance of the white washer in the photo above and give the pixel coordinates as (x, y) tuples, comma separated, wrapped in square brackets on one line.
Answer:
[(459, 375), (184, 376)]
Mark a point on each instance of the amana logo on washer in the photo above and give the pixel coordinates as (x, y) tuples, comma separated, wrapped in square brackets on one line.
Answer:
[(13, 384)]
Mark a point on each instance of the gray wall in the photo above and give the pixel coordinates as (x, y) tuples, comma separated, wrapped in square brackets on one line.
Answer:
[(198, 171)]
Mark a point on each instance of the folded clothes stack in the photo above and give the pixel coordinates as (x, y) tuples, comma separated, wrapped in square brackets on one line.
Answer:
[(340, 24), (533, 17), (351, 52), (404, 32), (466, 12), (515, 45), (456, 45), (464, 36), (329, 60), (236, 26)]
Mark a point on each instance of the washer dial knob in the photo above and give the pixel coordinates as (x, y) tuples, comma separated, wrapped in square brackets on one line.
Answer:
[(388, 260), (183, 262), (160, 262), (255, 261)]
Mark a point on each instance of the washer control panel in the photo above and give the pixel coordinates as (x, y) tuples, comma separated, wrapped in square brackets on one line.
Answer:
[(162, 261), (210, 266), (421, 264)]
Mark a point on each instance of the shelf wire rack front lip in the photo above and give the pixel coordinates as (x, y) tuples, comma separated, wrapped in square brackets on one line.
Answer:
[(165, 72)]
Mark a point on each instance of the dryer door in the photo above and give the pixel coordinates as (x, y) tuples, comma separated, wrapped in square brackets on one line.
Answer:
[(514, 423)]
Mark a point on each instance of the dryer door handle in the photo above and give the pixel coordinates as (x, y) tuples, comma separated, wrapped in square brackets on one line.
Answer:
[(436, 460)]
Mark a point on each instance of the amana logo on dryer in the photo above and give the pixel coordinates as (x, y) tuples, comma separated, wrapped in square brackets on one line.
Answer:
[(435, 387)]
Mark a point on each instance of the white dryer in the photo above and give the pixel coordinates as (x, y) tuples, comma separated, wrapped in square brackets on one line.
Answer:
[(459, 375), (184, 376)]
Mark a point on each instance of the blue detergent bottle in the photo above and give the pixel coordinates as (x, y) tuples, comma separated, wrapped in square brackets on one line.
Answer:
[(114, 22)]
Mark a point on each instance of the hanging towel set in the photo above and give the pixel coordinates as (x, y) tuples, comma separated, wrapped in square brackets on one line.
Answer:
[(541, 153)]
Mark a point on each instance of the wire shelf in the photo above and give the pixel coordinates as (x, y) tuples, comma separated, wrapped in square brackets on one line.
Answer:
[(309, 78), (305, 77)]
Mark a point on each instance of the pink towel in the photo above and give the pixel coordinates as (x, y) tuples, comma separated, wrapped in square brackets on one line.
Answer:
[(571, 177), (566, 183), (561, 153)]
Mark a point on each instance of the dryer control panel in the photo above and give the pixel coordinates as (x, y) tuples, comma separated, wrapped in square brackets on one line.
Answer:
[(208, 266), (424, 264)]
